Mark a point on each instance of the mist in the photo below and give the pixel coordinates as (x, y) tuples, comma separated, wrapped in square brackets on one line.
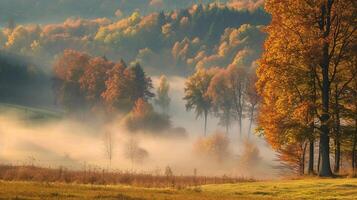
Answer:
[(76, 144)]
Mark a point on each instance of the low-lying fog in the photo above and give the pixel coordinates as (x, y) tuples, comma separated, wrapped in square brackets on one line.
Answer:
[(78, 145)]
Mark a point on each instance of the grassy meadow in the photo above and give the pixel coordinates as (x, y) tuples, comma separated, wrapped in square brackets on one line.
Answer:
[(282, 189)]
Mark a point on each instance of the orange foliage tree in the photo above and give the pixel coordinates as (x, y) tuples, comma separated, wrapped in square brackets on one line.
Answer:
[(308, 45), (84, 82)]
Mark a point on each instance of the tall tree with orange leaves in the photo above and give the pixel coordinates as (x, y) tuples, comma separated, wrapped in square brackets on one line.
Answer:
[(92, 82), (115, 96), (68, 69), (306, 37)]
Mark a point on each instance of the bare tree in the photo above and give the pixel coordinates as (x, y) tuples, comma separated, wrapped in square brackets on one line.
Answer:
[(252, 99), (109, 145), (135, 153)]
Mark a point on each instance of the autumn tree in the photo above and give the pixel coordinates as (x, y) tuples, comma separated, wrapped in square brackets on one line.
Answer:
[(250, 157), (336, 29), (287, 110), (134, 152), (85, 82), (163, 100), (115, 95), (222, 98), (140, 85), (68, 71), (252, 99), (92, 82), (80, 79), (293, 157), (215, 146), (313, 38), (237, 81), (109, 146), (354, 133), (348, 100), (144, 118), (284, 118), (339, 105), (196, 97)]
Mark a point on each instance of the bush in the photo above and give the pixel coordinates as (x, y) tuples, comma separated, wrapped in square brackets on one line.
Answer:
[(215, 146), (144, 118)]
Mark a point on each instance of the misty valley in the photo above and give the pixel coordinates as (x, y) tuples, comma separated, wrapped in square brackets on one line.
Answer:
[(206, 99)]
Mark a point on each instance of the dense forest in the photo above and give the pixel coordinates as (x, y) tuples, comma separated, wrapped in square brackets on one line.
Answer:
[(200, 35), (43, 11), (28, 11)]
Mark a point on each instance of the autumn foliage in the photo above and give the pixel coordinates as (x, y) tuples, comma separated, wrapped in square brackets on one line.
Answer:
[(227, 93), (308, 64), (215, 146), (144, 118), (83, 82)]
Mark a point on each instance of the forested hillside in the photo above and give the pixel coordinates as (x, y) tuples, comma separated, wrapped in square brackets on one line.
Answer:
[(44, 11), (208, 35)]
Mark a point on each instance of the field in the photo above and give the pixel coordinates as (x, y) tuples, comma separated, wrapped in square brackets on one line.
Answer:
[(284, 189), (102, 177)]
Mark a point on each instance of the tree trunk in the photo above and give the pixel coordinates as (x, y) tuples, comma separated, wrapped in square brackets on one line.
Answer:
[(311, 158), (337, 155), (302, 170), (354, 162), (205, 128), (319, 161), (337, 133), (354, 146), (251, 118), (325, 27), (325, 170), (239, 102), (240, 126)]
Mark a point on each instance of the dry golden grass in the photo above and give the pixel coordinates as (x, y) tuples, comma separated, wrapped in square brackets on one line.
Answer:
[(312, 188), (103, 177)]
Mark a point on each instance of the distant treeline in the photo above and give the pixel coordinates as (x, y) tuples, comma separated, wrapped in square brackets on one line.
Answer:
[(86, 86), (171, 42), (27, 11)]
